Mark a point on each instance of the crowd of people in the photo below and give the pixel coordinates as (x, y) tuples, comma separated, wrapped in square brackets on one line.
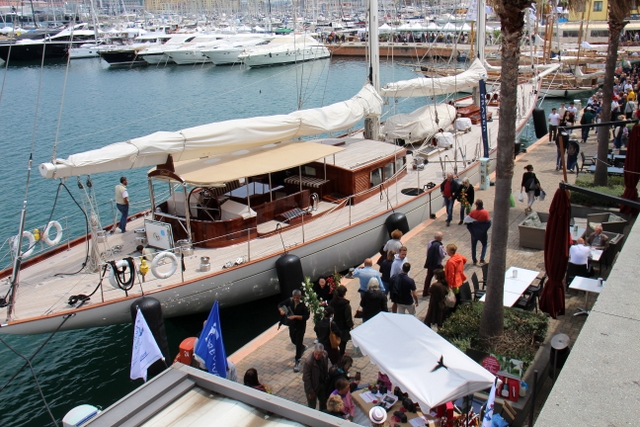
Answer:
[(624, 106)]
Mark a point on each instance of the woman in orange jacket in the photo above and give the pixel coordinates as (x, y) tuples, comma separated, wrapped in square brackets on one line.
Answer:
[(454, 270)]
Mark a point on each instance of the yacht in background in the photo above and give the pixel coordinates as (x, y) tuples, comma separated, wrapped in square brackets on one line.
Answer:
[(286, 49), (227, 53)]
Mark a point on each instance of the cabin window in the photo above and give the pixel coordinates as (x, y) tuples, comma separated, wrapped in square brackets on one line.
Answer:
[(399, 164), (600, 33), (388, 170), (376, 177), (597, 6), (309, 170), (570, 33)]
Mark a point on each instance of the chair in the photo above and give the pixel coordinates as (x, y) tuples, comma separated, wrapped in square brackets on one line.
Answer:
[(536, 290), (477, 292), (574, 270), (526, 302), (465, 294), (508, 412), (485, 273), (585, 162)]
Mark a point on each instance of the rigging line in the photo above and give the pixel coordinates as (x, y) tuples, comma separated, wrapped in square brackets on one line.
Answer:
[(86, 259), (35, 377), (64, 320), (6, 71), (64, 90)]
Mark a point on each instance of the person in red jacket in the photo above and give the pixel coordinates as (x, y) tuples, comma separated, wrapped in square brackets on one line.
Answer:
[(478, 225), (454, 270)]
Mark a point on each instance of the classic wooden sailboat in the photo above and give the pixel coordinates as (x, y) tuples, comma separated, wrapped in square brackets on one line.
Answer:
[(242, 194)]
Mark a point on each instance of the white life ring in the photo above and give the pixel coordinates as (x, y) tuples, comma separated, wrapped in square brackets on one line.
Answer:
[(112, 274), (32, 244), (161, 256), (47, 231)]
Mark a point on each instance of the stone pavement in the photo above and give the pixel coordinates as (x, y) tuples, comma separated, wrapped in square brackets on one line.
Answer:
[(272, 353)]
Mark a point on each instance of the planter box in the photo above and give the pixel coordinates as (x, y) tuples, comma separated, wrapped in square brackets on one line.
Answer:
[(531, 236)]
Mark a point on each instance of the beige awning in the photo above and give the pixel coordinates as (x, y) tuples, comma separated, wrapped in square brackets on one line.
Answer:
[(256, 161)]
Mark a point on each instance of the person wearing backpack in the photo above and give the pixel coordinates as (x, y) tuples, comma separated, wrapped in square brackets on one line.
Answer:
[(629, 109)]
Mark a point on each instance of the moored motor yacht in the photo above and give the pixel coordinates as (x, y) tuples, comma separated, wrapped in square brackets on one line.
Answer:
[(285, 49)]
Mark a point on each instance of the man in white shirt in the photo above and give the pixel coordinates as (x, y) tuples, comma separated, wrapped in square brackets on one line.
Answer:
[(578, 260), (579, 253), (573, 110), (562, 110), (554, 122), (122, 203)]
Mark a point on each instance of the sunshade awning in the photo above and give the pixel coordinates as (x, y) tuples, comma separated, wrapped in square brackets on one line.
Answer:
[(228, 167), (409, 352)]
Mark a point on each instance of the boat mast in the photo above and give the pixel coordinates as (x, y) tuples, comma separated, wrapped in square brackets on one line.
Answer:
[(372, 124)]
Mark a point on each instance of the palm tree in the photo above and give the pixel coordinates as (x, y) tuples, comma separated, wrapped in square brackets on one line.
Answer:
[(618, 11), (511, 13)]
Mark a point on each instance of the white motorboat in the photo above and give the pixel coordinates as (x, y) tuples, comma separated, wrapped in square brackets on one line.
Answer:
[(155, 54), (192, 52), (227, 53), (288, 49)]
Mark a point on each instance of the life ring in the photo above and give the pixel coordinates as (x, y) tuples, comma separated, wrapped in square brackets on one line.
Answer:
[(161, 256), (32, 244), (120, 265), (47, 231)]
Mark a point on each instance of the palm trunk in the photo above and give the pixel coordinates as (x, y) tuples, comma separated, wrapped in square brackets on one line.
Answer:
[(512, 19), (615, 28)]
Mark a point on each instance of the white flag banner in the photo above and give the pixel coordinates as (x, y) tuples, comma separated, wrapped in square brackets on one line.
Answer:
[(472, 11), (145, 349), (488, 413)]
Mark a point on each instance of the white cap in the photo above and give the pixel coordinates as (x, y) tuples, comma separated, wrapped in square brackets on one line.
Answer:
[(378, 415)]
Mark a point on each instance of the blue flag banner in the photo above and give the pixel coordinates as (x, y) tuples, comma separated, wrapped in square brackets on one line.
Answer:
[(210, 347), (483, 118)]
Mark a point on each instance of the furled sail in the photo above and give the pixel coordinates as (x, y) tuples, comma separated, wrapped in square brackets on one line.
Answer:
[(420, 124), (436, 86), (217, 138)]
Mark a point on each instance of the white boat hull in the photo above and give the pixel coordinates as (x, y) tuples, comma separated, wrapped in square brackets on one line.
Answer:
[(267, 59)]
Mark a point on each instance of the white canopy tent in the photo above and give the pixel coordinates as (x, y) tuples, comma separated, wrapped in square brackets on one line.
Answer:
[(409, 352)]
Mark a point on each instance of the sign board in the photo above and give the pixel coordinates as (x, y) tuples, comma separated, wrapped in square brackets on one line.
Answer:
[(485, 170), (159, 234)]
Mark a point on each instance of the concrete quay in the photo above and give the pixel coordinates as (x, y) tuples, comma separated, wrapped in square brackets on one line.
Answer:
[(272, 353)]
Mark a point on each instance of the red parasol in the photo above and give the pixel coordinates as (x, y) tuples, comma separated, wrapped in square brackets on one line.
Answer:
[(556, 254), (631, 170)]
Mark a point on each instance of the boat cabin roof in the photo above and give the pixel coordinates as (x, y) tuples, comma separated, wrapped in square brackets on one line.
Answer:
[(361, 152), (217, 170)]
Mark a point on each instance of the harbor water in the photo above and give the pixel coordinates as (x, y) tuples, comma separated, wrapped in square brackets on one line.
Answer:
[(58, 110)]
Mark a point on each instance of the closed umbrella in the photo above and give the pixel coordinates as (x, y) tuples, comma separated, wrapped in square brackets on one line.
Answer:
[(631, 170), (556, 254)]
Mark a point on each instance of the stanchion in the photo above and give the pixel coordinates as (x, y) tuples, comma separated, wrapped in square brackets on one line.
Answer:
[(533, 397)]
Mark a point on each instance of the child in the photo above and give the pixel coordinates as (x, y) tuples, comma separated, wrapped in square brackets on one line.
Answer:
[(344, 391)]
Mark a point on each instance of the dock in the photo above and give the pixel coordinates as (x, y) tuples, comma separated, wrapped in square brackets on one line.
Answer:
[(272, 353)]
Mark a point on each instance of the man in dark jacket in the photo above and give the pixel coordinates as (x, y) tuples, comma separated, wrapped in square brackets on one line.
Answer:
[(449, 189), (435, 256), (479, 228), (315, 372), (407, 296), (296, 314)]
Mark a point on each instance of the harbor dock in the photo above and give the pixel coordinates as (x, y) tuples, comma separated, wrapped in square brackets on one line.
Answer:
[(272, 353)]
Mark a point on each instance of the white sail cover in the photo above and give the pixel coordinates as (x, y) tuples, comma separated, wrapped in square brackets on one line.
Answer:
[(436, 86), (419, 124), (217, 138)]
